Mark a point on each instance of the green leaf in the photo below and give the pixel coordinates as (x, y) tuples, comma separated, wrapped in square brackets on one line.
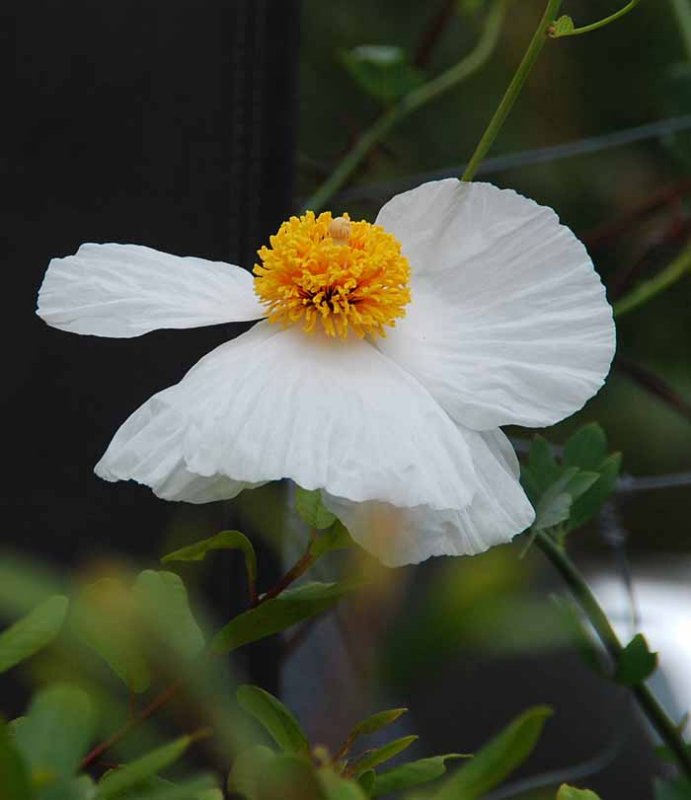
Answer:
[(636, 662), (367, 781), (162, 598), (248, 768), (562, 27), (129, 775), (279, 613), (105, 617), (339, 788), (377, 721), (32, 633), (541, 469), (414, 773), (589, 503), (309, 505), (55, 733), (498, 759), (199, 788), (587, 448), (334, 538), (225, 540), (382, 71), (674, 789), (571, 793), (373, 758), (14, 775), (276, 719), (554, 506), (288, 777)]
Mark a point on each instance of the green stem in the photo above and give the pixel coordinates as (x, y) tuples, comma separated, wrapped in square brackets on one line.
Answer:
[(411, 102), (595, 25), (514, 89), (645, 291), (647, 701), (682, 11)]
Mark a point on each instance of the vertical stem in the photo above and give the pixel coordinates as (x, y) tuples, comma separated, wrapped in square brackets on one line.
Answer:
[(682, 11), (514, 89), (648, 703)]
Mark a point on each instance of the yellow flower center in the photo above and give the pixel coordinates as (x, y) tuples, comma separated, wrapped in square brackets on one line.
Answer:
[(330, 271)]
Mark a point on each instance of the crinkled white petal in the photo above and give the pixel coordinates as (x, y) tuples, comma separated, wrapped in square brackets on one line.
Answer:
[(499, 511), (273, 403), (508, 322), (125, 290)]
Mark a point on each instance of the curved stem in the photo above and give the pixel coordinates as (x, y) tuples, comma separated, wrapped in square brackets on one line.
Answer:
[(411, 102), (556, 34), (513, 90), (645, 291), (647, 701)]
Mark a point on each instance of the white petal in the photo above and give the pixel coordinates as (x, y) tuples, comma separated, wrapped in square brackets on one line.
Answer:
[(126, 290), (399, 536), (509, 323), (273, 403)]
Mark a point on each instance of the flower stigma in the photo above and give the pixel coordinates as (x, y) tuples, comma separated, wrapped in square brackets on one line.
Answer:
[(333, 272)]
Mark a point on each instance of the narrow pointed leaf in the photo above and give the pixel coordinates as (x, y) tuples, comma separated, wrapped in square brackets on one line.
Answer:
[(55, 733), (373, 758), (225, 540), (312, 510), (498, 759), (279, 613), (275, 718), (377, 721), (14, 774), (33, 632), (414, 773), (129, 775), (636, 662)]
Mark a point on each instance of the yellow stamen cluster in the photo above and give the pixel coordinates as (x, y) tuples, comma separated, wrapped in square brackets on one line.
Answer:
[(330, 271)]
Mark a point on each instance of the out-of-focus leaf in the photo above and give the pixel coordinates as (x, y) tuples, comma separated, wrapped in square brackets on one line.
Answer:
[(414, 773), (248, 768), (82, 788), (334, 538), (382, 71), (636, 662), (541, 470), (275, 718), (105, 617), (33, 632), (225, 540), (377, 721), (54, 735), (129, 775), (587, 448), (674, 789), (309, 505), (203, 787), (162, 598), (279, 613), (571, 793), (14, 775), (367, 780), (289, 777), (498, 759), (338, 788), (380, 755), (590, 502)]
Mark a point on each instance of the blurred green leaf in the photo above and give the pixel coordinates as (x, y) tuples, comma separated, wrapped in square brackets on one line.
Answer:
[(498, 759), (589, 503), (129, 775), (276, 719), (248, 768), (636, 662), (367, 780), (339, 788), (55, 733), (14, 774), (105, 617), (279, 613), (225, 540), (310, 507), (674, 789), (373, 758), (555, 504), (162, 597), (377, 721), (32, 633), (334, 538), (541, 469), (571, 793), (384, 72), (414, 773), (200, 788), (289, 777), (587, 448)]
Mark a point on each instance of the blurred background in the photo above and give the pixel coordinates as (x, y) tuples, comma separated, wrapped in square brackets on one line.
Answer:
[(196, 128)]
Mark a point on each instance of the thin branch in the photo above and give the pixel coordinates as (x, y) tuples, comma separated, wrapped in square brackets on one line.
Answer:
[(657, 386), (433, 33)]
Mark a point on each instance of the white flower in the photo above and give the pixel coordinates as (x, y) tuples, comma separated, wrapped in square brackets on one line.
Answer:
[(504, 322)]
